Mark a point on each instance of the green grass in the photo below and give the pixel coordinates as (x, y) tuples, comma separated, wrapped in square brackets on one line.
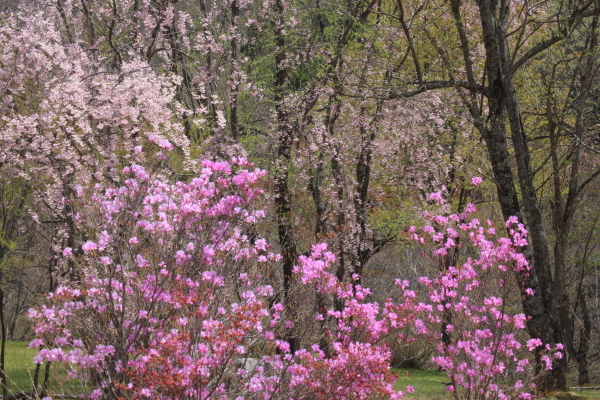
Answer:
[(20, 370), (428, 384), (19, 366), (585, 394)]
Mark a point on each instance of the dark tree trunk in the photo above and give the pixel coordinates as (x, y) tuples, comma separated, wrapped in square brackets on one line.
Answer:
[(282, 191), (3, 346), (233, 101), (503, 103)]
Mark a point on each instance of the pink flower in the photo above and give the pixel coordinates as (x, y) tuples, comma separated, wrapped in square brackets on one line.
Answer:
[(533, 343), (519, 384), (89, 245), (437, 196), (165, 144), (476, 180), (546, 359)]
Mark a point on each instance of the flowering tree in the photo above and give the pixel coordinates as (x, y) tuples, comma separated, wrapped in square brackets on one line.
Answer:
[(69, 121), (497, 47)]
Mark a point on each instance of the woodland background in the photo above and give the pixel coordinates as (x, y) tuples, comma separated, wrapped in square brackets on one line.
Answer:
[(358, 110)]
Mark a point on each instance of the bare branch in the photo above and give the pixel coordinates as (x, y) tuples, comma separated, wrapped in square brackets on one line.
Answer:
[(535, 50)]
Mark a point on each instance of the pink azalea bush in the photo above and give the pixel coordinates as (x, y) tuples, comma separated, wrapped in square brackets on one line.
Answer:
[(176, 299), (173, 301), (467, 310)]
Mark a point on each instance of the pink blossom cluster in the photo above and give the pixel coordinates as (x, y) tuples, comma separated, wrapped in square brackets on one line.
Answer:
[(172, 301), (70, 119), (466, 308)]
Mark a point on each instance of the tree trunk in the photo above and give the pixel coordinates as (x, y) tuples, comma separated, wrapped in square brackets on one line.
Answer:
[(282, 192), (233, 100), (3, 346), (503, 103)]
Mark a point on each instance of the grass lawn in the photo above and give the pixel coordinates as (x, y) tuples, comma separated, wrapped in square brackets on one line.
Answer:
[(19, 365), (20, 370), (428, 384)]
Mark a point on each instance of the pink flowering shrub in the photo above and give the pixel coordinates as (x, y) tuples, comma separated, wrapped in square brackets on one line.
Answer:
[(468, 312), (177, 298), (173, 301)]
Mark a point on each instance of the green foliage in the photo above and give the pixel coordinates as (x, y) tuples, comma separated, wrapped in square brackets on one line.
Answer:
[(396, 215)]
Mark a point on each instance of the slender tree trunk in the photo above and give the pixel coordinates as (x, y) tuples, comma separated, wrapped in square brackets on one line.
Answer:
[(284, 152), (17, 310), (3, 346), (584, 341), (233, 100)]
